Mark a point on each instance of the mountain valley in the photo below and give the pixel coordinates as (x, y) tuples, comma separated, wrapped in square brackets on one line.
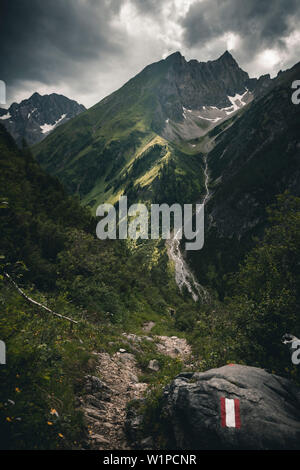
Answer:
[(136, 313)]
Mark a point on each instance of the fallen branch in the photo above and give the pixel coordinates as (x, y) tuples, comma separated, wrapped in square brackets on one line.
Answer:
[(34, 302)]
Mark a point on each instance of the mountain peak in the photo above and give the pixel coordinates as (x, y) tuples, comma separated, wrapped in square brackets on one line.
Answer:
[(33, 118), (175, 57), (35, 95), (226, 54), (227, 57)]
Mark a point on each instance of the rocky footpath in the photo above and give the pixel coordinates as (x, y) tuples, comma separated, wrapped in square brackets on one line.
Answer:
[(105, 401), (233, 407), (115, 383)]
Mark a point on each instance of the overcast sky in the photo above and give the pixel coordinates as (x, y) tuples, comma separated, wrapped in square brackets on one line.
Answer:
[(85, 49)]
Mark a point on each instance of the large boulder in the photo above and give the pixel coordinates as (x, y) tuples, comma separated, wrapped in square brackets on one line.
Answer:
[(233, 407)]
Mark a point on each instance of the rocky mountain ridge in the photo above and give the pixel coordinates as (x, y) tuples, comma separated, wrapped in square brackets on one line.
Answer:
[(250, 161), (171, 100), (151, 138), (34, 118)]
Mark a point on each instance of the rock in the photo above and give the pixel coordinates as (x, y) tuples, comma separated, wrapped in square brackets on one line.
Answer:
[(133, 422), (265, 415), (126, 358), (147, 443), (147, 327), (99, 439), (122, 350), (132, 337), (148, 338), (134, 379), (93, 413), (139, 389), (94, 386), (154, 365), (93, 401), (173, 346)]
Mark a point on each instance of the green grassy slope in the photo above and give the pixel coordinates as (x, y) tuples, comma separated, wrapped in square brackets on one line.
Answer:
[(48, 247), (94, 155), (92, 151)]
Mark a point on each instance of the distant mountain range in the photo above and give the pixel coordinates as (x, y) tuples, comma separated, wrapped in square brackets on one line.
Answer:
[(33, 119)]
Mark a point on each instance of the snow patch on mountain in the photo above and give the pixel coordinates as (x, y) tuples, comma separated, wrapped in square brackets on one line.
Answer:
[(34, 118), (210, 119), (236, 101), (6, 116), (45, 128), (197, 120)]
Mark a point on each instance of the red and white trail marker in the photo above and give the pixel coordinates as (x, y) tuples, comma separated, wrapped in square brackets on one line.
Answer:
[(230, 413)]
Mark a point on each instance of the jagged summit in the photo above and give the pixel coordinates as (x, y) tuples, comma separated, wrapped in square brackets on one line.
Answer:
[(226, 56), (33, 118), (228, 59), (175, 56), (172, 100), (35, 95)]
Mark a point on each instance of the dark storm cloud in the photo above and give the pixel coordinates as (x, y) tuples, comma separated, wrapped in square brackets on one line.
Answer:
[(88, 48), (46, 40), (260, 23)]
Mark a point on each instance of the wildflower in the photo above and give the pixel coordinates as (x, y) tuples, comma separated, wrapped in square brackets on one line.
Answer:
[(60, 435), (49, 423), (53, 412)]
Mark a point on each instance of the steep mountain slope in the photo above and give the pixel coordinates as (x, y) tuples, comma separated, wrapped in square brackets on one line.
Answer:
[(252, 161), (117, 295), (149, 140), (33, 119), (38, 213), (96, 153), (49, 249)]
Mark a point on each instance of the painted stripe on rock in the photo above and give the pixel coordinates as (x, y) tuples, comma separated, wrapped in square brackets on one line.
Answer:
[(230, 413), (237, 413)]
